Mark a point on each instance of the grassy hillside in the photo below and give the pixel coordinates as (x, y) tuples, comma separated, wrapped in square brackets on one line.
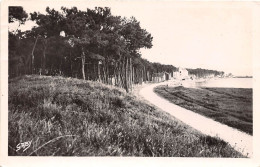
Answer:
[(71, 117), (231, 106)]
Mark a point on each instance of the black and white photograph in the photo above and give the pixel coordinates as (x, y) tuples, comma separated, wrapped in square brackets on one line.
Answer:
[(129, 79)]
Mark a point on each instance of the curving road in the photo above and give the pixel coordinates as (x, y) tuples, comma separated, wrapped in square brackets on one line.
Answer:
[(241, 141)]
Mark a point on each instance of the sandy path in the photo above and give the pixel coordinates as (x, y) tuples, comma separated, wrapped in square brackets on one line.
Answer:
[(241, 142)]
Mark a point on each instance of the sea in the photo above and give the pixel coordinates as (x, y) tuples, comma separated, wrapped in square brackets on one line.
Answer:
[(227, 83)]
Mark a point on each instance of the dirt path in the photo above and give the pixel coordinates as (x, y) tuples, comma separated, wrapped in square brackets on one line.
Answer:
[(241, 141)]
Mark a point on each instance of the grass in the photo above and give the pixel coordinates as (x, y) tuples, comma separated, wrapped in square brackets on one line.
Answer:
[(230, 106), (72, 117)]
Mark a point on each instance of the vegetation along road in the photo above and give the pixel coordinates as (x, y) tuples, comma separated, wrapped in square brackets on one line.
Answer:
[(72, 117), (241, 141), (230, 106)]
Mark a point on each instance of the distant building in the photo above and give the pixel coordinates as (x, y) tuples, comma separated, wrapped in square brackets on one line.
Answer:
[(162, 76), (167, 76), (158, 77), (181, 73)]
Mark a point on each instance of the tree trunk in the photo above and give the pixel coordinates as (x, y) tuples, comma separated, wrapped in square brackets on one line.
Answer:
[(107, 72), (60, 69), (98, 72), (131, 74), (142, 70), (32, 63), (94, 75), (71, 70), (145, 76), (104, 72), (44, 57), (122, 75), (126, 75), (83, 59)]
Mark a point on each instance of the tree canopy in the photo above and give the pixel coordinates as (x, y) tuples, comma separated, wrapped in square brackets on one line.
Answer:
[(89, 44), (16, 13)]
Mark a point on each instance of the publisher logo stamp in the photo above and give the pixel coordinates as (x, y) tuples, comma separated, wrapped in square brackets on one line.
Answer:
[(23, 146)]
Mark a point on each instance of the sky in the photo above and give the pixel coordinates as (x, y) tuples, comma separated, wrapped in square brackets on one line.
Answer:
[(208, 35)]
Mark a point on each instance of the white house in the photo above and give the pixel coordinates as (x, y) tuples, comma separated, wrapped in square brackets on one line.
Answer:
[(182, 73)]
